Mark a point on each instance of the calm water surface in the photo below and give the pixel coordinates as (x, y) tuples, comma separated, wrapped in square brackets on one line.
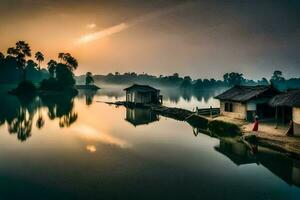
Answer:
[(78, 148)]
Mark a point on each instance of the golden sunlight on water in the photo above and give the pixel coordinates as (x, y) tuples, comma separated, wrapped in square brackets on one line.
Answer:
[(85, 132)]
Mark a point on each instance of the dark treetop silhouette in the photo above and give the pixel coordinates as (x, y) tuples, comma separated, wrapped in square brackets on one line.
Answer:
[(58, 76)]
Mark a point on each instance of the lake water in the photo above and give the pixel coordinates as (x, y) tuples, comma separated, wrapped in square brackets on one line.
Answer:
[(79, 148)]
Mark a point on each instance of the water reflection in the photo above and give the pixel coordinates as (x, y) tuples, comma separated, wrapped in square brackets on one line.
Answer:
[(140, 116), (88, 95), (205, 95), (150, 160), (183, 98), (20, 114), (286, 168)]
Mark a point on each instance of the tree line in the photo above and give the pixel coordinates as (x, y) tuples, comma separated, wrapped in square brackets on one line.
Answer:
[(186, 82)]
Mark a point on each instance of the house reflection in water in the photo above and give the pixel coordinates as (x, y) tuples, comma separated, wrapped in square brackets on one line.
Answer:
[(236, 152), (285, 168), (140, 116)]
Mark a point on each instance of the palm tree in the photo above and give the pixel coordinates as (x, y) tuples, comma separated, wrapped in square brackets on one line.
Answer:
[(51, 67), (23, 49), (40, 58), (70, 61), (11, 51), (31, 64), (20, 52), (61, 56)]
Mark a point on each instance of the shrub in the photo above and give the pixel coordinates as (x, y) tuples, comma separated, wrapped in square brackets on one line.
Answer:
[(222, 128), (25, 87), (50, 84)]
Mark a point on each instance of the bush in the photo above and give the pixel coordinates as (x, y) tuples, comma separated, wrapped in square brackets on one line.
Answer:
[(222, 128), (25, 87), (50, 84)]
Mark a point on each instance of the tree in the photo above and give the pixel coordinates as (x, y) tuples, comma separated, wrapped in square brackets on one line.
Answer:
[(89, 78), (40, 58), (64, 75), (198, 84), (187, 82), (51, 67), (20, 52), (277, 76), (12, 51), (31, 64), (70, 61), (233, 78), (263, 81), (176, 75), (61, 56)]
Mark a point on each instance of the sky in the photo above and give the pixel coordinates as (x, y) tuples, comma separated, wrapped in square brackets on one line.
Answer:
[(202, 39)]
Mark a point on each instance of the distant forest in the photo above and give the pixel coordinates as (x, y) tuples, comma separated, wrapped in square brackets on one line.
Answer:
[(229, 79)]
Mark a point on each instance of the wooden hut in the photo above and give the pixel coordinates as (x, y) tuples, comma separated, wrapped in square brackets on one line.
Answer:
[(287, 107), (244, 102), (143, 94)]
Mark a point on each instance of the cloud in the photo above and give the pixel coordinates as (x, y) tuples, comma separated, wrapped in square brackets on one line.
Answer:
[(125, 25), (104, 33), (91, 26)]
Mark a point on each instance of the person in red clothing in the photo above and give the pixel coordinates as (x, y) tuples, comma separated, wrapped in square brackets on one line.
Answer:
[(255, 128)]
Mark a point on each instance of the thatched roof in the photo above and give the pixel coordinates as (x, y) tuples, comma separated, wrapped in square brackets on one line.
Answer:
[(290, 99), (246, 93), (141, 88)]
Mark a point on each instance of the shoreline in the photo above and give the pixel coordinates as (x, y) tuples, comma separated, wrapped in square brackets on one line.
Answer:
[(289, 145)]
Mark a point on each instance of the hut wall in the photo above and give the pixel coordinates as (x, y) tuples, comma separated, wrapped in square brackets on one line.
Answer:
[(129, 96), (251, 106), (239, 110), (142, 97), (296, 119)]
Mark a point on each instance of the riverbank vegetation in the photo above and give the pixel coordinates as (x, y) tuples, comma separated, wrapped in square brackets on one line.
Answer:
[(17, 67)]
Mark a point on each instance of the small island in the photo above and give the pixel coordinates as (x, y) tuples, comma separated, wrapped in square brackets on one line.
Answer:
[(57, 79), (89, 83)]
